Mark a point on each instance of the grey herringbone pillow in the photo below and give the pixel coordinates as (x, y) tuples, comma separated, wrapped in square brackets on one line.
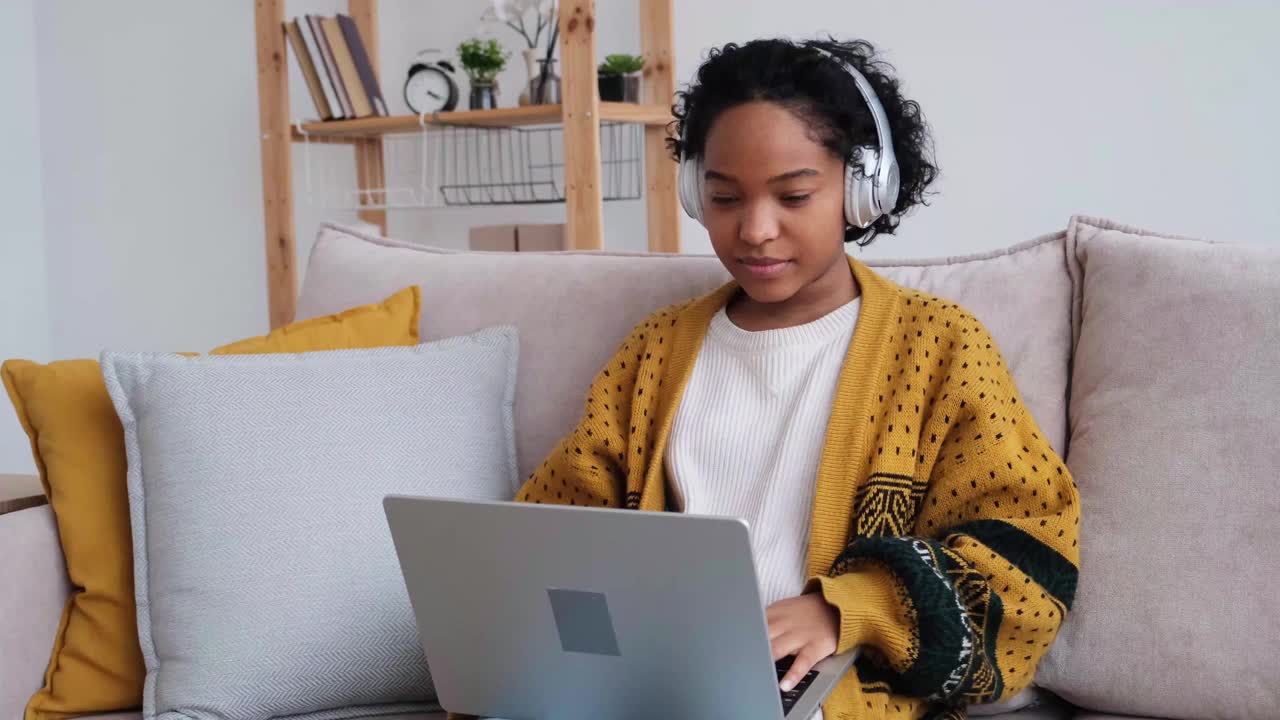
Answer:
[(266, 580)]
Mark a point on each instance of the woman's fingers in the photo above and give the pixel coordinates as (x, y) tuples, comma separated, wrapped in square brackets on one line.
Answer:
[(778, 628), (774, 613), (799, 626), (804, 662), (785, 644)]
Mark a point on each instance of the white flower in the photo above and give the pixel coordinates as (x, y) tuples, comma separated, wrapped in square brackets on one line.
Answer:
[(511, 10), (529, 18), (499, 10)]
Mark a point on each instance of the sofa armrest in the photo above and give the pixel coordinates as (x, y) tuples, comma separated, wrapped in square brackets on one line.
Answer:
[(33, 591), (19, 492)]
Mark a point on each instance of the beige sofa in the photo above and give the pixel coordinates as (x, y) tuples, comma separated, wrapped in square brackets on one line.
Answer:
[(1151, 362)]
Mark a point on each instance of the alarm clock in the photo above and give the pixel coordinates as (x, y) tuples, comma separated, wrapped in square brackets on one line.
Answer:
[(430, 88)]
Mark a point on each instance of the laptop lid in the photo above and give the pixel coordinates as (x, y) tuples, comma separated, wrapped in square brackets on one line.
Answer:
[(541, 611)]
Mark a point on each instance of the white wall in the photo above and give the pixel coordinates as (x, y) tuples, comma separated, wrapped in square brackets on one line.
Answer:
[(131, 179), (152, 197), (24, 314), (1159, 114)]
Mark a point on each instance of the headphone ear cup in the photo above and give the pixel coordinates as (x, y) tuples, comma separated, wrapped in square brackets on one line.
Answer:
[(859, 188), (689, 187), (889, 199), (858, 199)]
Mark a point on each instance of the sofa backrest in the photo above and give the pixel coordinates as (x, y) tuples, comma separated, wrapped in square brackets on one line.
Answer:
[(573, 309)]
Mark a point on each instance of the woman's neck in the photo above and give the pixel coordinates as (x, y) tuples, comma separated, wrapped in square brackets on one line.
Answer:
[(831, 290)]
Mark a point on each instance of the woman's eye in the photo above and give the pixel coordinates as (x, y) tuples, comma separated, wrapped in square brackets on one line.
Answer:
[(795, 199), (723, 199)]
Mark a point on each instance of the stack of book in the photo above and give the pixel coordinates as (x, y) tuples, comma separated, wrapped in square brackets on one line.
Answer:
[(336, 66)]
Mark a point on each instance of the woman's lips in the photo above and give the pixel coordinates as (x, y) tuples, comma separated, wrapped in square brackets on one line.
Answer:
[(764, 267)]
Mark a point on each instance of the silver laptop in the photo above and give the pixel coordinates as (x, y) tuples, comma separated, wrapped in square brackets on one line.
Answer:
[(541, 611)]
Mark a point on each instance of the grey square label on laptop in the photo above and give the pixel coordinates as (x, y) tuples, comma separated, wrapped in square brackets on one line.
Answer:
[(584, 622)]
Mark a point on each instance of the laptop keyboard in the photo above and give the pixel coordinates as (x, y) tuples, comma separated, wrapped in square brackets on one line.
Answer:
[(789, 698)]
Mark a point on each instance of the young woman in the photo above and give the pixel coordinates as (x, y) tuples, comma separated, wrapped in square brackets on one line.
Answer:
[(901, 497)]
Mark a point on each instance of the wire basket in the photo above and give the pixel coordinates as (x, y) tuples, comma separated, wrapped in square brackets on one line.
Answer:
[(449, 165)]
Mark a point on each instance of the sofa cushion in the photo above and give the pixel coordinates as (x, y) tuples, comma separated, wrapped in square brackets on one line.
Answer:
[(1174, 448), (267, 584), (573, 309), (78, 446)]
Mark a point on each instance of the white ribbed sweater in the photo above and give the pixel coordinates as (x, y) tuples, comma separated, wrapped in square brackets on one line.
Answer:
[(749, 431)]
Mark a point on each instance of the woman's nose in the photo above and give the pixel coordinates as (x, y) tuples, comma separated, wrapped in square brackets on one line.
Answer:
[(758, 224)]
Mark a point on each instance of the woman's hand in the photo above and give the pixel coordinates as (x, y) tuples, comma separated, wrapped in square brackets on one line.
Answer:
[(807, 627)]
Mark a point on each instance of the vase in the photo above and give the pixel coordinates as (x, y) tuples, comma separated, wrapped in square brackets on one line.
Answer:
[(631, 88), (531, 69), (610, 87), (551, 95), (484, 95)]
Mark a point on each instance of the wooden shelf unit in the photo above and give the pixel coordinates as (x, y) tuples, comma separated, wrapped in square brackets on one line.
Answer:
[(656, 115), (580, 114)]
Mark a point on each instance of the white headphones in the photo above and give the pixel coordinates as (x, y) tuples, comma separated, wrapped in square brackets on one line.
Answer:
[(870, 190)]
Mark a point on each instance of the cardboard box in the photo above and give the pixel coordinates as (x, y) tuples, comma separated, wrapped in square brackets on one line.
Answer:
[(540, 238), (492, 238), (513, 238)]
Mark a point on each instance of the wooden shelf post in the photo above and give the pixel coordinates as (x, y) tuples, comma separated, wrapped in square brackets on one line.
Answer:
[(584, 198), (370, 173), (277, 166), (657, 42)]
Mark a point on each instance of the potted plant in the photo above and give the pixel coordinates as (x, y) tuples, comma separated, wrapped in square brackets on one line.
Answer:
[(619, 79), (482, 60)]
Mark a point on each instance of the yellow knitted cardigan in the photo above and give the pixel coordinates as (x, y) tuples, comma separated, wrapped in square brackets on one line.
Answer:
[(944, 527)]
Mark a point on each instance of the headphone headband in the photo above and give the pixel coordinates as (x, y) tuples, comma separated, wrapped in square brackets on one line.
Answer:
[(887, 162)]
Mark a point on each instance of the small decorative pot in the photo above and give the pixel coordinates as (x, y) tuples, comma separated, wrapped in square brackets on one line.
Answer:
[(484, 95), (611, 88)]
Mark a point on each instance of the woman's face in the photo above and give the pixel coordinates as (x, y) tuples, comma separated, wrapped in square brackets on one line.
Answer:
[(773, 201)]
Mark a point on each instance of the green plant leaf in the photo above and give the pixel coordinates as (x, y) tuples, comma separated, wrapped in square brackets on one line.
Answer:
[(620, 64), (482, 59)]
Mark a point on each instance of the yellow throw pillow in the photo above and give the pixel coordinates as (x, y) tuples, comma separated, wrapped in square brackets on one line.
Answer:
[(96, 665)]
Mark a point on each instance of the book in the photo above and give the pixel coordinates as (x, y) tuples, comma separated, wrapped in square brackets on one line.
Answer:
[(317, 60), (330, 67), (346, 68), (364, 68), (303, 55)]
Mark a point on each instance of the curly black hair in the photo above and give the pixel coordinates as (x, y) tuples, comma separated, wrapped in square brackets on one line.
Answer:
[(821, 93)]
